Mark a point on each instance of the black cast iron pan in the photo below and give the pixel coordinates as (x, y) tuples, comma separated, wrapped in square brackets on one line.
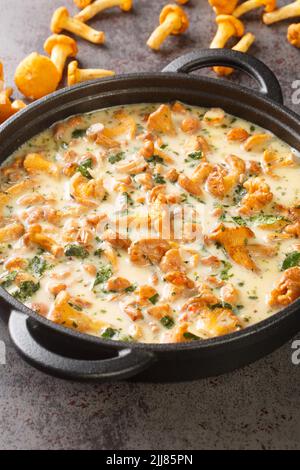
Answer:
[(69, 354)]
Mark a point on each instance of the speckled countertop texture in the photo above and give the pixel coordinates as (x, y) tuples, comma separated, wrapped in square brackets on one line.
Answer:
[(257, 407)]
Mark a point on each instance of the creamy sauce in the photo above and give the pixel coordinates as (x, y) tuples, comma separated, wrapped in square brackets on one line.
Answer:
[(73, 200)]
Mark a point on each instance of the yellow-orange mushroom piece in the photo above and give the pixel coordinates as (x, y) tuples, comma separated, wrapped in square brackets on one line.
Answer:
[(228, 26), (223, 7), (61, 20), (36, 163), (82, 3), (182, 2), (77, 75), (173, 20), (5, 107), (63, 313), (36, 76), (293, 34), (243, 45), (60, 47), (250, 5), (99, 5), (288, 11)]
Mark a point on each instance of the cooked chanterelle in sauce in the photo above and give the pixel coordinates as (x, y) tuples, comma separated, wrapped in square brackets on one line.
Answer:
[(152, 223)]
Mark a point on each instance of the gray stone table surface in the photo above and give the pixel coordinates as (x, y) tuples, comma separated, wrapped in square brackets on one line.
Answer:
[(257, 407)]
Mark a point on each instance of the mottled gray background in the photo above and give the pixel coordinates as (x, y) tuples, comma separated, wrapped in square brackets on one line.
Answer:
[(257, 407)]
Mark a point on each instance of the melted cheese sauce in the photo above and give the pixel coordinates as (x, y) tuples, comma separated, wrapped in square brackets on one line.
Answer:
[(72, 286)]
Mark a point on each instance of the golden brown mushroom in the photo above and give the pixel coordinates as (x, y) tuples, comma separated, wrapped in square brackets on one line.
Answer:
[(245, 7), (36, 76), (173, 20), (288, 11), (235, 241), (8, 108), (228, 26), (293, 34), (76, 75), (5, 107), (242, 46), (82, 3), (99, 5), (60, 47), (223, 7), (182, 2), (61, 19)]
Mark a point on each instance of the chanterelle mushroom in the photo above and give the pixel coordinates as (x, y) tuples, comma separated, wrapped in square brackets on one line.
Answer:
[(36, 76), (223, 7), (288, 11), (243, 45), (245, 7), (82, 3), (293, 34), (5, 107), (228, 26), (235, 240), (61, 19), (76, 75), (161, 120), (173, 20), (287, 288), (99, 5), (60, 47)]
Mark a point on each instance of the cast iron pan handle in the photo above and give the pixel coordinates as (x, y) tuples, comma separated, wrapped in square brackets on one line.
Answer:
[(269, 84), (128, 363)]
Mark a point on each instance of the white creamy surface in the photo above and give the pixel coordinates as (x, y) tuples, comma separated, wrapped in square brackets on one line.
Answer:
[(253, 287)]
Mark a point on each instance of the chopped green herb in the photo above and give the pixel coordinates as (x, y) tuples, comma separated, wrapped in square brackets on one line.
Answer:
[(155, 159), (9, 279), (26, 290), (76, 307), (158, 179), (77, 133), (292, 259), (224, 275), (77, 251), (126, 339), (116, 158), (131, 288), (239, 220), (167, 322), (195, 155), (37, 265), (190, 336), (109, 333), (103, 275), (98, 252), (154, 299), (266, 219), (83, 168), (221, 305)]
